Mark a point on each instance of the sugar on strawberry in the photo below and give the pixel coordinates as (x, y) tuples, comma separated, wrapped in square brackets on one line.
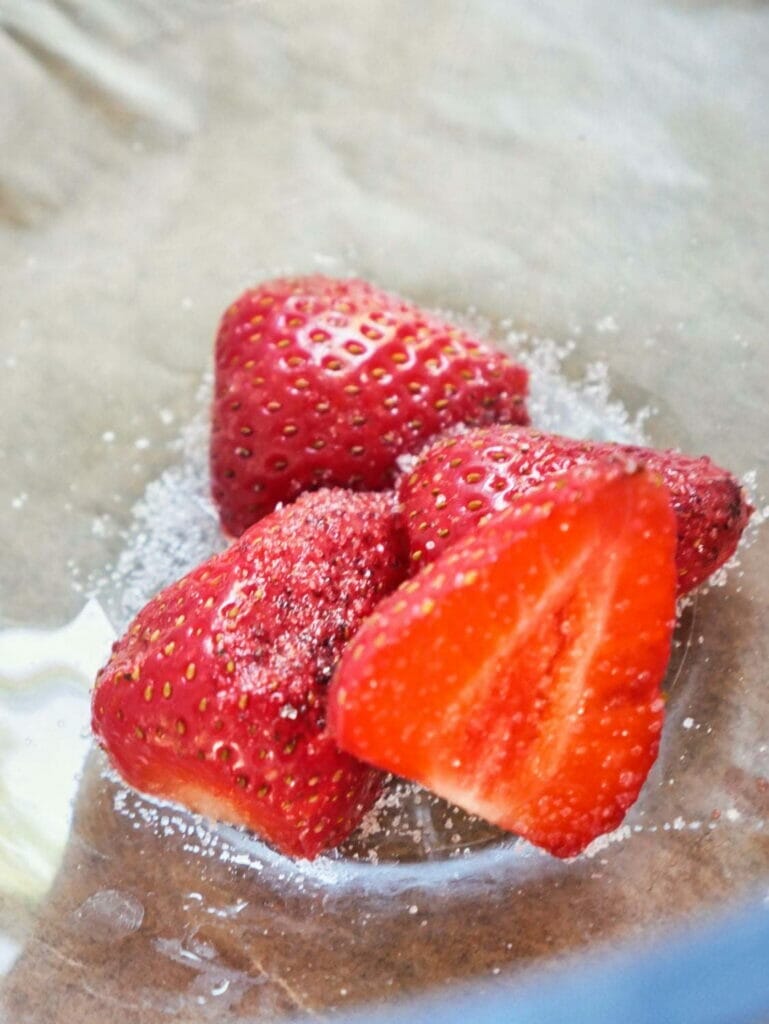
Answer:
[(216, 695), (459, 480), (518, 675), (324, 382)]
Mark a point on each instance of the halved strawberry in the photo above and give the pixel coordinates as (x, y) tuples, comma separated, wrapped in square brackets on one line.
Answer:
[(461, 479), (216, 695), (519, 674), (323, 382)]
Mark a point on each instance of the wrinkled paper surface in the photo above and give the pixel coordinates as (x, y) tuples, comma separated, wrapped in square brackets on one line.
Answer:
[(589, 171)]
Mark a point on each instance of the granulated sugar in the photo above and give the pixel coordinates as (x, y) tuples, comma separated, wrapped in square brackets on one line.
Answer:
[(578, 408), (175, 526)]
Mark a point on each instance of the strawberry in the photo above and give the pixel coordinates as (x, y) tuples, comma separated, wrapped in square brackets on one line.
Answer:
[(519, 674), (322, 382), (216, 695), (459, 480)]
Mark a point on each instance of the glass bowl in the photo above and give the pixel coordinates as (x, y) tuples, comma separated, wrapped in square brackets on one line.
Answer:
[(584, 184)]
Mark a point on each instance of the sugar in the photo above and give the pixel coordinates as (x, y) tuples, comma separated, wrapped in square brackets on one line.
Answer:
[(174, 526), (606, 325), (579, 408)]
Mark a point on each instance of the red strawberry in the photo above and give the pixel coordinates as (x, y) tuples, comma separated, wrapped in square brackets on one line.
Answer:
[(518, 675), (459, 480), (216, 696), (322, 382)]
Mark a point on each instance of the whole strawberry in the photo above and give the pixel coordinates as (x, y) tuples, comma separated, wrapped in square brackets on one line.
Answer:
[(216, 695), (324, 382), (460, 479)]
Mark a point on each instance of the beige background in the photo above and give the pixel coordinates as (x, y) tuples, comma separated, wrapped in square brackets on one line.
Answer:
[(590, 170)]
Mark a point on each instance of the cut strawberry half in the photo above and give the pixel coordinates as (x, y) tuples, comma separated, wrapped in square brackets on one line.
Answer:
[(519, 674)]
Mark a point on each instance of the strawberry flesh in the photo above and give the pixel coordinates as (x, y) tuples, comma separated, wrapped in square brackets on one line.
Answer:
[(519, 674), (216, 695), (323, 382), (459, 480)]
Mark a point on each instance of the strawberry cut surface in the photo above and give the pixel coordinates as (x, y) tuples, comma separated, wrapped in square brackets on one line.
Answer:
[(459, 480), (323, 382), (519, 674), (216, 695)]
